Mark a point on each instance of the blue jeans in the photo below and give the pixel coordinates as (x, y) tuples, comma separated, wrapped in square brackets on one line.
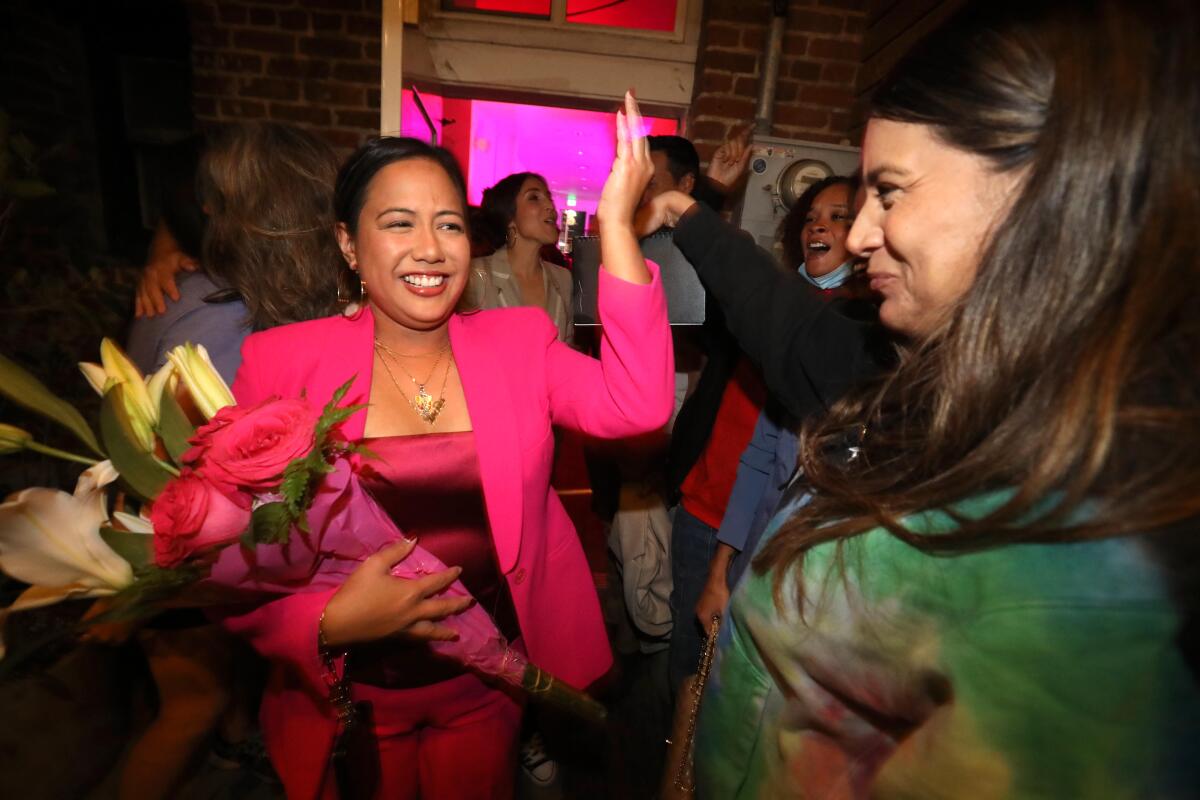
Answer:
[(693, 544)]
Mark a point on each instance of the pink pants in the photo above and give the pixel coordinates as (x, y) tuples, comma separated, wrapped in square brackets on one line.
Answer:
[(454, 740)]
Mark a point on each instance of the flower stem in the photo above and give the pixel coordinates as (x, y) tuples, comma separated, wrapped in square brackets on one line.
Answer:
[(168, 467), (54, 451)]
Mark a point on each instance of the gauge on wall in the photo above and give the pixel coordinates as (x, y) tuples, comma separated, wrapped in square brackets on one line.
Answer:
[(797, 177), (780, 171)]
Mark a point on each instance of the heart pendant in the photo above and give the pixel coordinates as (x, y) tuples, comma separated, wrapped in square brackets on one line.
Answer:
[(426, 407)]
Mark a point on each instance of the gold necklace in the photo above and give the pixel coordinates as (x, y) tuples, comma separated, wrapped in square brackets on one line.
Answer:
[(394, 354), (422, 402)]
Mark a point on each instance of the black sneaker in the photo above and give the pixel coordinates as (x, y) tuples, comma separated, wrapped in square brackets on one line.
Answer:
[(538, 767), (250, 754)]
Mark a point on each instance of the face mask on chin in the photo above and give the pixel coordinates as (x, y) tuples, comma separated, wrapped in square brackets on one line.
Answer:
[(830, 280)]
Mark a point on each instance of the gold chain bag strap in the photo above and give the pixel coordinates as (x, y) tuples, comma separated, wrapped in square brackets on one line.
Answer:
[(679, 779), (355, 755)]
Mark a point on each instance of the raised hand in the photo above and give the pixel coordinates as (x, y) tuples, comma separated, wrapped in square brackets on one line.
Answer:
[(663, 211), (727, 167), (373, 604), (631, 171)]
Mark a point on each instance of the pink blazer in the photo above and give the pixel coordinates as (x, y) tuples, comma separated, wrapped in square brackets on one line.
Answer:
[(519, 381)]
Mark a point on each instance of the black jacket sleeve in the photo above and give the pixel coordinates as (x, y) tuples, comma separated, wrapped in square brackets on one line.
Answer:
[(809, 352)]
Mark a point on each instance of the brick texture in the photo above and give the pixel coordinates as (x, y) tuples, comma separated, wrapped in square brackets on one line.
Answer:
[(314, 63), (815, 93)]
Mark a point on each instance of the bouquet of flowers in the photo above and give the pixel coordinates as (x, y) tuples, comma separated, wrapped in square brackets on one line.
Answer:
[(252, 502)]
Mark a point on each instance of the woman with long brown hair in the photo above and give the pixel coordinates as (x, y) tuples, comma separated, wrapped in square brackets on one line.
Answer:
[(261, 196), (268, 257), (989, 587), (267, 190)]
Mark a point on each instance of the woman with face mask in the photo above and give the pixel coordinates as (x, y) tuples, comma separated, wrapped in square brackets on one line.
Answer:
[(991, 586), (519, 220), (813, 234)]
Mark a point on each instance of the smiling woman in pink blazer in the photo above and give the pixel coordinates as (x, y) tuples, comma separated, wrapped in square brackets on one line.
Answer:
[(482, 440)]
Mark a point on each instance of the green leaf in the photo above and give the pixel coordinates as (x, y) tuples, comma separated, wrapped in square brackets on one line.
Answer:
[(340, 392), (139, 470), (270, 523), (151, 588), (26, 188), (294, 488), (331, 415), (155, 578), (361, 449), (331, 418), (17, 384), (136, 548), (174, 427)]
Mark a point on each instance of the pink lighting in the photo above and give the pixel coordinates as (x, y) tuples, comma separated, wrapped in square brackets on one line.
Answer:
[(563, 144), (540, 8), (411, 122), (644, 15)]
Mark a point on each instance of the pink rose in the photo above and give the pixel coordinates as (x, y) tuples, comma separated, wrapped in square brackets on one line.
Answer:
[(190, 515), (251, 447)]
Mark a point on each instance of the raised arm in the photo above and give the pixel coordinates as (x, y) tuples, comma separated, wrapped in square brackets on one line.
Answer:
[(631, 171), (727, 168), (630, 390), (809, 353)]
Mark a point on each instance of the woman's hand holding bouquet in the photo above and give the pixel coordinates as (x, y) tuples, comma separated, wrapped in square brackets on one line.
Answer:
[(374, 604)]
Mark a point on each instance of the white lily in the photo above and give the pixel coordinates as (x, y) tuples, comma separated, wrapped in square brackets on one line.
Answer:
[(51, 539), (134, 524), (97, 378), (209, 392)]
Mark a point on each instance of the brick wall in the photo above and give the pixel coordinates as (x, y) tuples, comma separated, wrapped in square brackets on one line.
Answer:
[(314, 63), (814, 100)]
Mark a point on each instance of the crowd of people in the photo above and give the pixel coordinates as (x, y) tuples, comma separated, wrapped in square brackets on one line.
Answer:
[(936, 478)]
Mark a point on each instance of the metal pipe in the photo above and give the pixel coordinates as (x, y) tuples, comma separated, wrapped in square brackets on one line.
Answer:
[(433, 134), (764, 114)]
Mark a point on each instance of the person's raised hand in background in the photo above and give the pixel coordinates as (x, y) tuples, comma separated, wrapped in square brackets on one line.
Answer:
[(164, 261), (727, 167)]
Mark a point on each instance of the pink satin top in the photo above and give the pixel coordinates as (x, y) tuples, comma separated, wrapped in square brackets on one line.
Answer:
[(430, 486)]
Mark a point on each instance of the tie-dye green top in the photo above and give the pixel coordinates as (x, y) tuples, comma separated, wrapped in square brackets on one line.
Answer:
[(1033, 671)]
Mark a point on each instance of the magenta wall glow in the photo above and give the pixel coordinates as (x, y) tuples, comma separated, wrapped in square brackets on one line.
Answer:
[(573, 149)]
